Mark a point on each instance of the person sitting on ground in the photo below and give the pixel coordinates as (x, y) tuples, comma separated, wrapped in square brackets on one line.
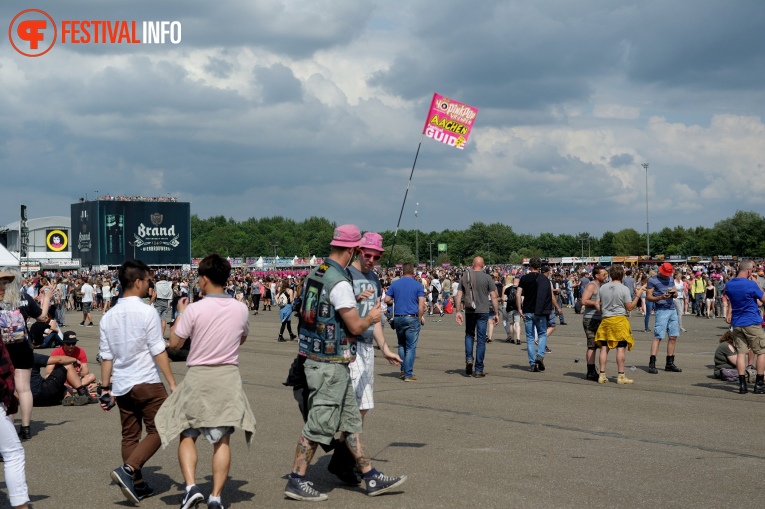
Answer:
[(51, 390), (725, 359), (70, 349), (46, 334)]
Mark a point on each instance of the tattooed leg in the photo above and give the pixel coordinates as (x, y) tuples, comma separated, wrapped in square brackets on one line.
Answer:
[(359, 451), (303, 455)]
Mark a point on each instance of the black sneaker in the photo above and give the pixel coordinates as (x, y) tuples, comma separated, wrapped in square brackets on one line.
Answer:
[(547, 349), (82, 323), (25, 433), (380, 483), (540, 363), (90, 324), (214, 505), (143, 490), (192, 498), (534, 368), (300, 489), (125, 483), (468, 368)]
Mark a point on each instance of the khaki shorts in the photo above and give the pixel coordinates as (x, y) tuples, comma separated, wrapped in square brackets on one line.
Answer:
[(332, 404), (749, 337), (590, 329)]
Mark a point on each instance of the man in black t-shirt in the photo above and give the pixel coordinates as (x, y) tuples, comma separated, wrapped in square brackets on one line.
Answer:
[(513, 311), (528, 287)]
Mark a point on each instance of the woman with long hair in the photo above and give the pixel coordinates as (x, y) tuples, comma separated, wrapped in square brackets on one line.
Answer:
[(15, 309), (284, 298), (710, 293), (106, 294)]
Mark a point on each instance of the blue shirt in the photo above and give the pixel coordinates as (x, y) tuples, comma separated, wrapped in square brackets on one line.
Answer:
[(743, 295), (406, 293), (662, 285)]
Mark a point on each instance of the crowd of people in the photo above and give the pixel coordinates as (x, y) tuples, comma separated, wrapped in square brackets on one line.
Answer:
[(107, 197), (348, 295)]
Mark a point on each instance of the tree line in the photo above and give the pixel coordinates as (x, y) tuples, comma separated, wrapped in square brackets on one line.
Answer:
[(497, 243)]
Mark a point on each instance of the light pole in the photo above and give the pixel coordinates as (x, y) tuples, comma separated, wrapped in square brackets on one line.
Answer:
[(134, 244), (416, 237), (274, 245), (488, 248), (647, 234), (430, 245)]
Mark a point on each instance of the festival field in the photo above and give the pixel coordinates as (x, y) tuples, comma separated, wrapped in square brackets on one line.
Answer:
[(512, 439)]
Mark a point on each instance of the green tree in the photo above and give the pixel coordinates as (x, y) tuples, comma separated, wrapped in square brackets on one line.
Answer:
[(628, 242)]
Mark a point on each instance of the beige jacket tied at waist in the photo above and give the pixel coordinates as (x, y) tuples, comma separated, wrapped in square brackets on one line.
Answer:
[(209, 396)]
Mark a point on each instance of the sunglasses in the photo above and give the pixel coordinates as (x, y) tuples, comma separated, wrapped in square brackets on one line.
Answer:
[(370, 256)]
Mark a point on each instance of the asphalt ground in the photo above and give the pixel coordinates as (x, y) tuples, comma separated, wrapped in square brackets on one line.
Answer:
[(511, 439)]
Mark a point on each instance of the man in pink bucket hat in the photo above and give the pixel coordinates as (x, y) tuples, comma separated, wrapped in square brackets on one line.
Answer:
[(329, 325)]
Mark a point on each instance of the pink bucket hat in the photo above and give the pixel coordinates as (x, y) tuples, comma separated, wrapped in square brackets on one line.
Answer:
[(372, 240), (346, 235)]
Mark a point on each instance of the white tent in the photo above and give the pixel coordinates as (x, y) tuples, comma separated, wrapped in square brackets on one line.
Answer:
[(7, 259)]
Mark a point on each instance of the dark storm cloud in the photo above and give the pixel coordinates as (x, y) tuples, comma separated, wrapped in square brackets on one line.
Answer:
[(703, 44), (278, 84), (219, 67), (621, 160)]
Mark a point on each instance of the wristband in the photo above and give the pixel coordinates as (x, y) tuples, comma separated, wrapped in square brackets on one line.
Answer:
[(106, 387)]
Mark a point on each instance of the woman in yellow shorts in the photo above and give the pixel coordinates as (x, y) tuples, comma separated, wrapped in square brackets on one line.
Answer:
[(615, 331)]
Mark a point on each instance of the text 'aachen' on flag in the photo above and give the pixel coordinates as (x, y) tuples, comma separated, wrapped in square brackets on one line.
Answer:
[(449, 121)]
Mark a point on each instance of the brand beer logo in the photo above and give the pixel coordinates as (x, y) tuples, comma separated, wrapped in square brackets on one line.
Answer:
[(156, 238)]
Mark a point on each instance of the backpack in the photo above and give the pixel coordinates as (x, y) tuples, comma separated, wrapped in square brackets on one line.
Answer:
[(512, 304)]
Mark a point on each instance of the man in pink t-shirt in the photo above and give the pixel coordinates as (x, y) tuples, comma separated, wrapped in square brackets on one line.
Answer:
[(218, 325)]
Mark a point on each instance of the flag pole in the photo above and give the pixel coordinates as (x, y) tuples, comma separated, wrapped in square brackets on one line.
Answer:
[(408, 185)]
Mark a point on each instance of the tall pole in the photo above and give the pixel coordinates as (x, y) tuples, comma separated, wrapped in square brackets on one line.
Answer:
[(488, 248), (275, 245), (430, 245), (417, 236), (647, 234)]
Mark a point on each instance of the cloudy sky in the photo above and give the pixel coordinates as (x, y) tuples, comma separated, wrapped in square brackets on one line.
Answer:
[(301, 108)]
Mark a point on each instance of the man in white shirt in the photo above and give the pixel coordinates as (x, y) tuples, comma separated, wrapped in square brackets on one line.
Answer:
[(131, 342), (162, 298), (87, 302)]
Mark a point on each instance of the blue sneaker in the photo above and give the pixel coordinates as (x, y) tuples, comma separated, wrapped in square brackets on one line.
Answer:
[(380, 483), (300, 489), (125, 483), (192, 498)]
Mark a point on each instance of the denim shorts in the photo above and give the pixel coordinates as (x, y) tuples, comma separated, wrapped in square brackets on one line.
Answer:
[(666, 322)]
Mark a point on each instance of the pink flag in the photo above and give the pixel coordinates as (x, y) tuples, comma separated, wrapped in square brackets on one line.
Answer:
[(449, 121)]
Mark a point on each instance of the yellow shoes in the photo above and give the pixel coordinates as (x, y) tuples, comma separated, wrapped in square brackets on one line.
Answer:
[(622, 380), (602, 379)]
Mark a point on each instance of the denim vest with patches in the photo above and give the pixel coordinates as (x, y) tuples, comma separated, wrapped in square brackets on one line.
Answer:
[(322, 334)]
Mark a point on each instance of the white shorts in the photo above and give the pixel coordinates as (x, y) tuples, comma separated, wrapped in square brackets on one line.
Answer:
[(363, 375)]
